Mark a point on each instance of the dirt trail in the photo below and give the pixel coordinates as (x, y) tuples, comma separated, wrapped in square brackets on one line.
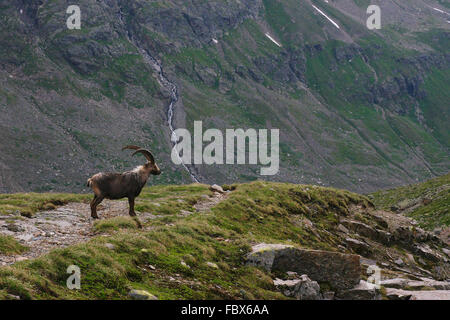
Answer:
[(64, 226), (70, 224), (208, 202)]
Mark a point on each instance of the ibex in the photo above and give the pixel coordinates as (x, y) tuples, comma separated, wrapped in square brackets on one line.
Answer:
[(112, 185)]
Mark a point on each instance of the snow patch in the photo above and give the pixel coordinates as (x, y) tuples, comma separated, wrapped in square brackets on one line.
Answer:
[(273, 40), (329, 19)]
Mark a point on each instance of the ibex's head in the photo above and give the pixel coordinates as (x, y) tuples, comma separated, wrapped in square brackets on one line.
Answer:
[(151, 164)]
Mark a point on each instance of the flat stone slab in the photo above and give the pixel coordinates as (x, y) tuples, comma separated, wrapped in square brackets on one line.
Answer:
[(418, 295), (400, 283)]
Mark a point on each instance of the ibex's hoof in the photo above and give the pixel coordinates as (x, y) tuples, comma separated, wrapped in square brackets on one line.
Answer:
[(94, 218)]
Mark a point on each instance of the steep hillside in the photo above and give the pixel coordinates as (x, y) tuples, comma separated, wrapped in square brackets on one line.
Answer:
[(199, 244), (428, 202), (356, 108)]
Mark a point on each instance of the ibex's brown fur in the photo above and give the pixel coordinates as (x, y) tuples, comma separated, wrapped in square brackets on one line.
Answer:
[(128, 184)]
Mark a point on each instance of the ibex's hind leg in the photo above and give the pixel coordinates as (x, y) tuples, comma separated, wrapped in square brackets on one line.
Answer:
[(131, 204), (94, 203), (132, 213)]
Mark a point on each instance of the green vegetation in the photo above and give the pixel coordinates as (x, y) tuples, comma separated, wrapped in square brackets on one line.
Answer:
[(28, 203), (9, 246), (427, 202), (170, 256)]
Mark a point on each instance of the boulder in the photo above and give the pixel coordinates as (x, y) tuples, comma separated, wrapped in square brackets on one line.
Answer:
[(339, 270), (367, 231), (426, 252), (212, 265), (300, 289), (216, 188), (358, 246), (363, 291), (141, 295)]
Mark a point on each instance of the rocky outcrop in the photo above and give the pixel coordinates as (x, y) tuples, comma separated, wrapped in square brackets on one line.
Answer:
[(341, 271)]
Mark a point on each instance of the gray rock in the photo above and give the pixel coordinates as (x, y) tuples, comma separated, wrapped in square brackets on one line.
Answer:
[(399, 294), (426, 252), (394, 283), (14, 228), (363, 291), (263, 255), (368, 231), (358, 246), (399, 262), (110, 246), (141, 295), (301, 289), (341, 271), (216, 188), (212, 265), (342, 228), (399, 283)]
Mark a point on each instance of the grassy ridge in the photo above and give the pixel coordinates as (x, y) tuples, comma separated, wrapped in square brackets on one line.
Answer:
[(199, 256)]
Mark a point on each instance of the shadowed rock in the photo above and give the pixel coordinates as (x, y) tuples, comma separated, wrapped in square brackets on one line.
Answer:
[(341, 271)]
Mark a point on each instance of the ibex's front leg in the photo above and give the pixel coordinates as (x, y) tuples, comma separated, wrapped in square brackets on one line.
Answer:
[(132, 213)]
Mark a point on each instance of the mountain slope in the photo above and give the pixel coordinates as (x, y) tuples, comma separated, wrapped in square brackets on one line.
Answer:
[(356, 108), (193, 247)]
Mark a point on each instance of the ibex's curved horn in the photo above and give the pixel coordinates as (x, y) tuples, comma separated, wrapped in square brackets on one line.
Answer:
[(147, 154), (131, 147)]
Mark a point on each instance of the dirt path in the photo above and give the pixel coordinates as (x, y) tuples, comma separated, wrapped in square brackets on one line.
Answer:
[(208, 202), (64, 226), (70, 224)]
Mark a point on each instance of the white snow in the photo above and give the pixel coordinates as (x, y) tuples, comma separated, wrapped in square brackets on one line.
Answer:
[(329, 19), (215, 41), (439, 10), (273, 40)]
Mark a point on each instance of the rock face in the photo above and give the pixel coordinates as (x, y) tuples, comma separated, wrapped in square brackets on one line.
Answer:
[(341, 271), (301, 289)]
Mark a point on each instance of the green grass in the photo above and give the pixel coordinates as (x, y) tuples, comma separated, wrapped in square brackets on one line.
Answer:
[(28, 203), (258, 211), (10, 246), (432, 197)]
